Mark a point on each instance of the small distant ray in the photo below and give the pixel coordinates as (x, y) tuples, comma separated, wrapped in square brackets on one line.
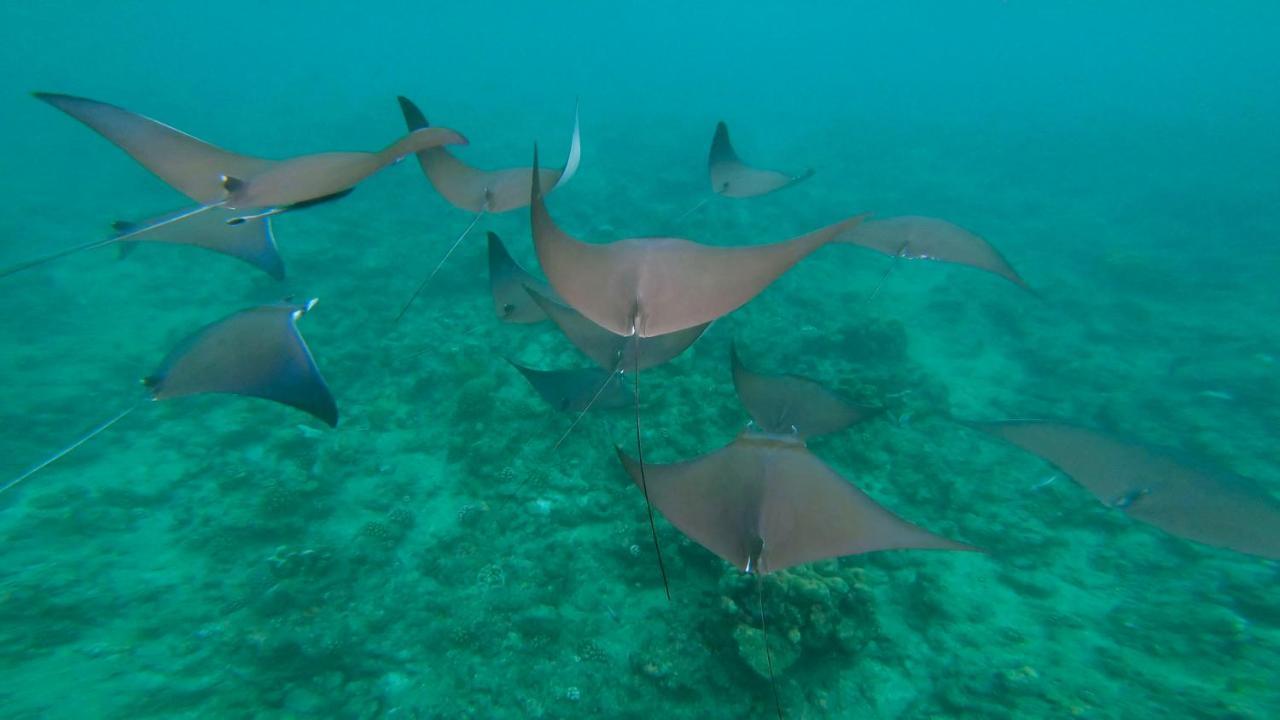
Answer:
[(614, 352), (251, 241), (783, 404), (1150, 485), (912, 237), (731, 177), (255, 353), (507, 282), (764, 503), (481, 191), (574, 390), (217, 178)]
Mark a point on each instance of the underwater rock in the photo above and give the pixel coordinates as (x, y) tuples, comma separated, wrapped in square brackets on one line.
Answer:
[(816, 611), (750, 642)]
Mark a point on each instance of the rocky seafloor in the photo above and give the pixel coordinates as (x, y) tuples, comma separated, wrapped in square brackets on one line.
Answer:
[(433, 557)]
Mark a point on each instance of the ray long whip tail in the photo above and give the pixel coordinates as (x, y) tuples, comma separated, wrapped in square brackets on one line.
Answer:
[(101, 428), (693, 209), (423, 285), (764, 634), (644, 485), (584, 410), (893, 263), (175, 217)]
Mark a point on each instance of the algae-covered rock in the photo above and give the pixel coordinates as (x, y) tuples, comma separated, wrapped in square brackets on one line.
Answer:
[(750, 641), (818, 611)]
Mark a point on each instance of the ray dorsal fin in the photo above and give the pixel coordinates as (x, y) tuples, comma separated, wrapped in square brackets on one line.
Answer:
[(256, 353)]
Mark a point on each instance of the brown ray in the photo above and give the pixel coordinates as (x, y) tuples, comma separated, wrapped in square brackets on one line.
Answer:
[(507, 282), (209, 174), (731, 177), (791, 404), (913, 237), (656, 286), (489, 191), (1152, 486), (255, 353), (609, 351), (764, 503), (575, 390), (217, 178)]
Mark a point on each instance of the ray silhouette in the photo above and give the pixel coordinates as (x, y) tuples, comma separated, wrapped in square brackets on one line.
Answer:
[(764, 503), (912, 237), (507, 282), (217, 178), (480, 192), (251, 241), (733, 178), (782, 404), (1153, 486), (577, 389), (255, 353)]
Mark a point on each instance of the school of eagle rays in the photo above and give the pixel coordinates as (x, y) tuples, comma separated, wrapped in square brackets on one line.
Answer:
[(764, 502)]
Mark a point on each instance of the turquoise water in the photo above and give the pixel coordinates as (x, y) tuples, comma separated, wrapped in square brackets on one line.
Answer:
[(432, 557)]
